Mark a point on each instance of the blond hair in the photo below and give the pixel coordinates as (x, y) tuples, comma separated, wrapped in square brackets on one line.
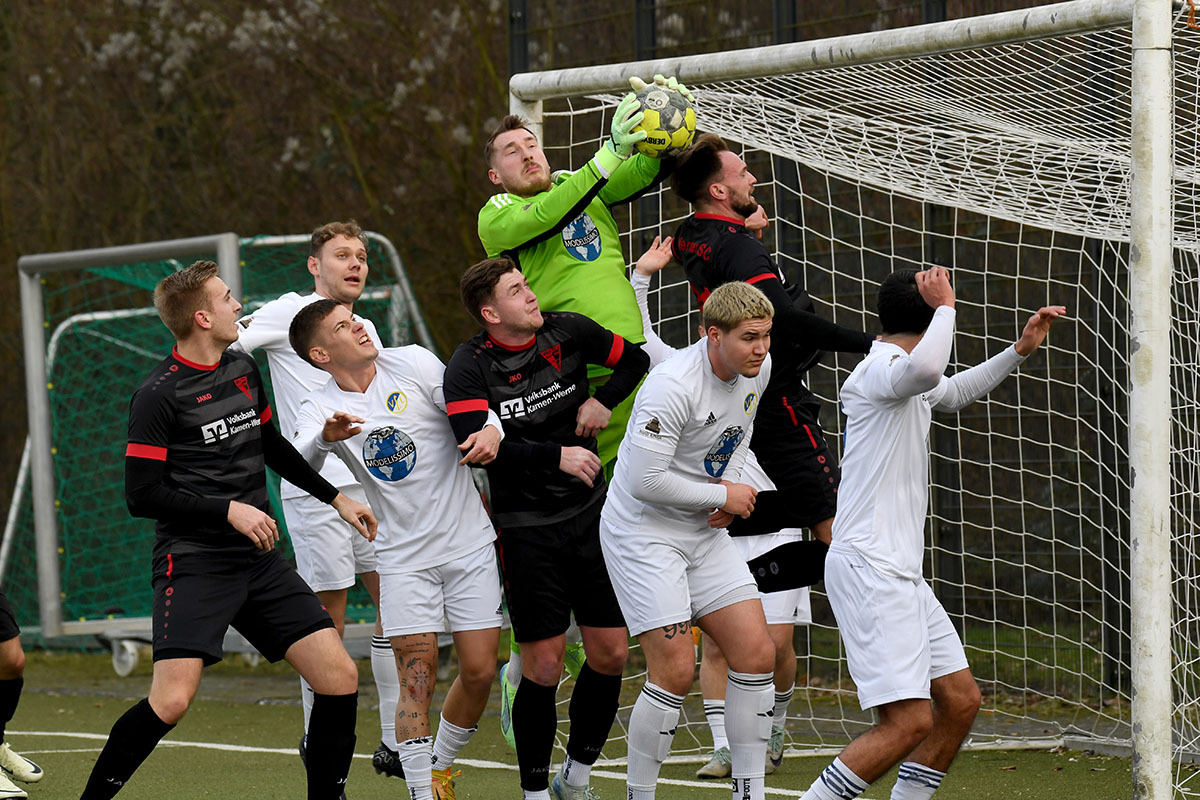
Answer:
[(734, 303), (180, 295)]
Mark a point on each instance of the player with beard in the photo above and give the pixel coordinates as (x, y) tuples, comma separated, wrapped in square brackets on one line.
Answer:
[(718, 243), (558, 228), (329, 554)]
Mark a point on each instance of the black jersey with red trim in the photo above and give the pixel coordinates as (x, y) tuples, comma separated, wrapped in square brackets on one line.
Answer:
[(203, 423), (713, 250), (536, 390)]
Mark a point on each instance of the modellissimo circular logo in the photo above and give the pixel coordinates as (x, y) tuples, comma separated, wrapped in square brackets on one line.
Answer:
[(389, 453), (719, 454)]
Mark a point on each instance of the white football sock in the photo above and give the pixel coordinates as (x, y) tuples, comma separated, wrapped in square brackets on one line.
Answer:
[(714, 712), (837, 782), (416, 757), (782, 701), (916, 782), (513, 673), (387, 681), (651, 731), (450, 741), (574, 773), (306, 699), (748, 702)]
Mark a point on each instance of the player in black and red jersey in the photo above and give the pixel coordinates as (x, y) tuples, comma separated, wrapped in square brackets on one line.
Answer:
[(717, 244), (547, 491), (199, 441)]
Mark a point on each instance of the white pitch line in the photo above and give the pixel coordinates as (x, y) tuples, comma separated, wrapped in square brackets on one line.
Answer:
[(468, 762)]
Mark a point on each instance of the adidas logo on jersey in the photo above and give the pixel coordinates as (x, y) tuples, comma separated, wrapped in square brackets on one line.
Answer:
[(653, 425), (711, 419)]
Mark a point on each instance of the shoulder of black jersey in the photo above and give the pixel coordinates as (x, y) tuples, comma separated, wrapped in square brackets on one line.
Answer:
[(231, 355), (469, 349), (164, 372)]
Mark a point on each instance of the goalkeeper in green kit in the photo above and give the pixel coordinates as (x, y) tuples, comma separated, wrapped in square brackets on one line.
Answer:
[(559, 231)]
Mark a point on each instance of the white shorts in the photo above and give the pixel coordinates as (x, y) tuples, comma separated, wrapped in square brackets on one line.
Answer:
[(898, 637), (329, 551), (781, 608), (661, 580), (464, 592)]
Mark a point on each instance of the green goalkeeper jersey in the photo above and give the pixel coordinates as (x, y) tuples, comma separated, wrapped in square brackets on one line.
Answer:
[(565, 240)]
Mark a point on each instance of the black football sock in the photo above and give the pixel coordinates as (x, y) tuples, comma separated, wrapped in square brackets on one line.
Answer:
[(534, 721), (330, 744), (593, 709), (10, 695), (132, 738)]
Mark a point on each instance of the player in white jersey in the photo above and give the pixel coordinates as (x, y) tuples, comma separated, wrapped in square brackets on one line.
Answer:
[(329, 553), (901, 647), (384, 416), (783, 609), (662, 533)]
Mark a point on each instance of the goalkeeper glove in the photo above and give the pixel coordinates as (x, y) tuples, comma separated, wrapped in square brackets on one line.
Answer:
[(671, 84), (627, 116)]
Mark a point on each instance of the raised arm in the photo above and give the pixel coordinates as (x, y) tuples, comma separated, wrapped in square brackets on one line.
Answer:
[(653, 260), (744, 259), (969, 385)]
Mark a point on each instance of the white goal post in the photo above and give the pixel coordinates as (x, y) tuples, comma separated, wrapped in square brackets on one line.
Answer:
[(1033, 151)]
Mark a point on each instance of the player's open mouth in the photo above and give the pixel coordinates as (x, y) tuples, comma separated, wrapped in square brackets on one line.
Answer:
[(365, 339)]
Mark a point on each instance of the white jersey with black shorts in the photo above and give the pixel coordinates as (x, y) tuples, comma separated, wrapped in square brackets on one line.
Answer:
[(329, 552), (897, 635), (435, 540), (688, 431)]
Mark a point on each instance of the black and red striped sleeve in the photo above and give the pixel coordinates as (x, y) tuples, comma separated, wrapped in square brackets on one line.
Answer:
[(147, 493), (743, 258), (601, 346)]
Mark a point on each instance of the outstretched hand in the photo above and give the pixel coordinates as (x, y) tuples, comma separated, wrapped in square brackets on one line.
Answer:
[(341, 426), (627, 117), (654, 259), (671, 84), (1037, 328)]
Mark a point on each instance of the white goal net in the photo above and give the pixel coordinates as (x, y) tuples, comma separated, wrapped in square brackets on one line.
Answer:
[(1011, 165)]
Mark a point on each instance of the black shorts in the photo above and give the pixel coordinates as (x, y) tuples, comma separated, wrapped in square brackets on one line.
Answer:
[(8, 621), (553, 570), (198, 595), (797, 459)]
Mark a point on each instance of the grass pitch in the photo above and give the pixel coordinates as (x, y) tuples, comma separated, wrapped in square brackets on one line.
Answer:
[(239, 741)]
